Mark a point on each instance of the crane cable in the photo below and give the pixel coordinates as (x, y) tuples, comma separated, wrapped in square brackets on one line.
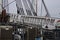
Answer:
[(8, 4)]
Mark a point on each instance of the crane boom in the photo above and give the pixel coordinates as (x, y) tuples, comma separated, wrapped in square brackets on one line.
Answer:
[(45, 8)]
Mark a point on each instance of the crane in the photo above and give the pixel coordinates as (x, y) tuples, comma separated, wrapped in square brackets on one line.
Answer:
[(48, 15)]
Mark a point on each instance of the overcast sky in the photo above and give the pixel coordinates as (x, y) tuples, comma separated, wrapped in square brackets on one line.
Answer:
[(53, 7)]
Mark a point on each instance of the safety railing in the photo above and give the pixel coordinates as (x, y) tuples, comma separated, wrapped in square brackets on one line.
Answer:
[(31, 20)]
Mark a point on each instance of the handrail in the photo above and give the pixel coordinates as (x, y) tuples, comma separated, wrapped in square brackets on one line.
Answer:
[(31, 19)]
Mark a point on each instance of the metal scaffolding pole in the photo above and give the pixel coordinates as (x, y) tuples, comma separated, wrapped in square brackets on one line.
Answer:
[(41, 23)]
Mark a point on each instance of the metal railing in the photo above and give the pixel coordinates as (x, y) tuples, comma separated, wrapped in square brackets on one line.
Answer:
[(34, 20)]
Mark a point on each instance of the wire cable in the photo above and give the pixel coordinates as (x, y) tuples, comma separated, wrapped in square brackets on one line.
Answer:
[(8, 4)]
